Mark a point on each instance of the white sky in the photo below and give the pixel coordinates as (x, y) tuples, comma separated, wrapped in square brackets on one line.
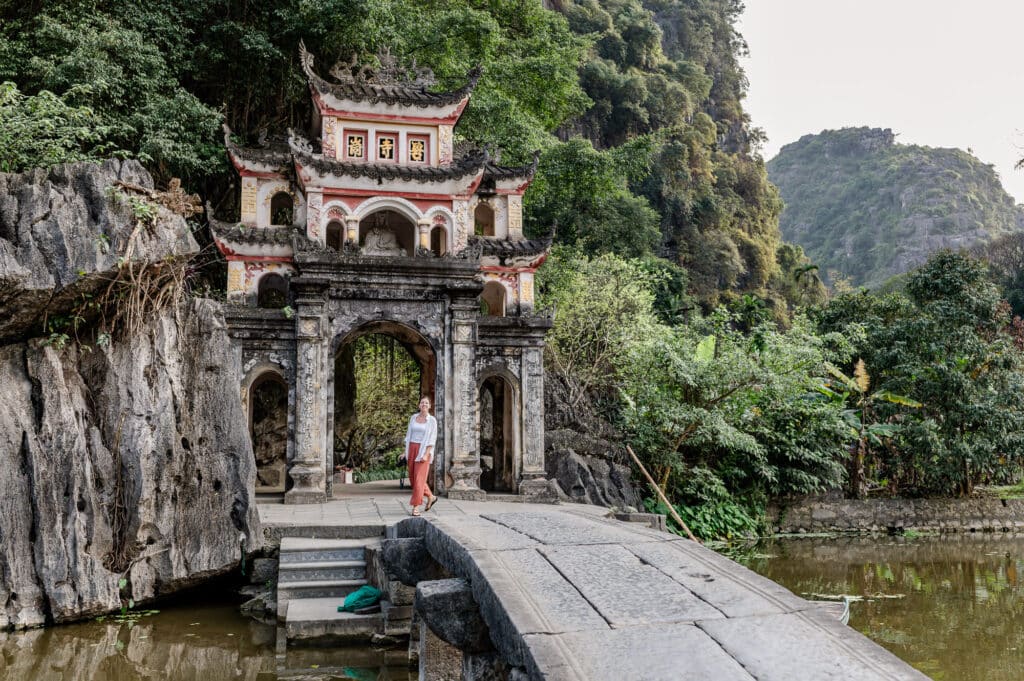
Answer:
[(942, 73)]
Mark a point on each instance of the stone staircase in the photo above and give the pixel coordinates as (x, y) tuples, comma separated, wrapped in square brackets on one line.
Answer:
[(314, 576)]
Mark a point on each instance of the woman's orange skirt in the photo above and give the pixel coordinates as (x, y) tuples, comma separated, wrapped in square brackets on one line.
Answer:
[(418, 471)]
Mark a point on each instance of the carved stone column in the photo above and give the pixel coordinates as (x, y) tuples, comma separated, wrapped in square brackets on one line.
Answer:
[(314, 202), (465, 470), (534, 481), (352, 229), (423, 227), (308, 468)]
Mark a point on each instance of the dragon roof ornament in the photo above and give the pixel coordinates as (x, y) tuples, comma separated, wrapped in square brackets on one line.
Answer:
[(389, 83)]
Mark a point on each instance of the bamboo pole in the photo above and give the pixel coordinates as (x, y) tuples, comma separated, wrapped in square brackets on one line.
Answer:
[(664, 499)]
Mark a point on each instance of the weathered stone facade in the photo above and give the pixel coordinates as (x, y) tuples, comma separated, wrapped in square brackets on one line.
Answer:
[(392, 230)]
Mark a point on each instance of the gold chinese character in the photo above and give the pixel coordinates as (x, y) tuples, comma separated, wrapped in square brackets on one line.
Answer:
[(386, 149), (355, 146), (417, 151)]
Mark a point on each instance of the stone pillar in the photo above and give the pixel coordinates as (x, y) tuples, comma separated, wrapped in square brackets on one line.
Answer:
[(534, 481), (465, 470), (525, 292), (308, 468), (423, 228), (314, 202), (352, 230)]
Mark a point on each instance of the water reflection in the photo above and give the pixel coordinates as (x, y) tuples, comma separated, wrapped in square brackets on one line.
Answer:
[(188, 643), (952, 607)]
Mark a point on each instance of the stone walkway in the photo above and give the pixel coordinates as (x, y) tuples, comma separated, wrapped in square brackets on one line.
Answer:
[(359, 511), (568, 594)]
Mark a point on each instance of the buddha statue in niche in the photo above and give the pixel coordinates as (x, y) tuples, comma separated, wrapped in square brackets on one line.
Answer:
[(381, 239)]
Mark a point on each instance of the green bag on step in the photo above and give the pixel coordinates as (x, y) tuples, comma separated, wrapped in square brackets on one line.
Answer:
[(363, 597)]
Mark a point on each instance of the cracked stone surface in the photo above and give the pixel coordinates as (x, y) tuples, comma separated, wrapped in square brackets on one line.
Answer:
[(584, 598), (130, 458)]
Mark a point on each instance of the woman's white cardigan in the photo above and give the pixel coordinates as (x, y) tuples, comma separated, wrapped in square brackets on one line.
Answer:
[(429, 440)]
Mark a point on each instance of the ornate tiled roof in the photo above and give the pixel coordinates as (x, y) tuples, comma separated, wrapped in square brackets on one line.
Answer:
[(387, 85), (525, 172), (470, 163), (244, 234), (505, 248), (273, 155)]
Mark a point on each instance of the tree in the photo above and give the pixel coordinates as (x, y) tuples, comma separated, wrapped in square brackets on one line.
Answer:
[(582, 193), (946, 343), (43, 130)]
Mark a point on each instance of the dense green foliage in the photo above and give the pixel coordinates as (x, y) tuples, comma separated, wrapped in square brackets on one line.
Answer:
[(666, 88), (43, 130), (949, 343), (385, 395), (725, 419), (865, 208)]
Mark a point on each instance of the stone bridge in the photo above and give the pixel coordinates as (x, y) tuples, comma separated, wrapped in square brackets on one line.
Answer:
[(529, 591)]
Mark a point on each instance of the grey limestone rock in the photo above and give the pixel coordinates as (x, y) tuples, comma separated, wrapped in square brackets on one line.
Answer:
[(406, 559), (127, 460), (132, 459), (583, 453), (63, 232), (448, 608)]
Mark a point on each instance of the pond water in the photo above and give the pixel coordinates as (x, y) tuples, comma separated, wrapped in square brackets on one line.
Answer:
[(193, 641), (951, 606)]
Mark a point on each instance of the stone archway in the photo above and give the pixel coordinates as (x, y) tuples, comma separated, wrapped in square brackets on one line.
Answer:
[(498, 416), (268, 430), (349, 351)]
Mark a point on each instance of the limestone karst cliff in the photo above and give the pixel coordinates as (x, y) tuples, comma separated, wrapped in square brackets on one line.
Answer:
[(867, 208), (128, 458)]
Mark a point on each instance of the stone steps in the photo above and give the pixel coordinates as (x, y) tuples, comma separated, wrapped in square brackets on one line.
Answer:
[(314, 577), (321, 571), (302, 550), (316, 621)]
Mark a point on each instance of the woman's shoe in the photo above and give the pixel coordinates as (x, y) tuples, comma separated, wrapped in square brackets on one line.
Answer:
[(416, 511), (430, 504)]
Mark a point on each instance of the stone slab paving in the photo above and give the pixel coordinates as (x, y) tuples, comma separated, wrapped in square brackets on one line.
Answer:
[(569, 594)]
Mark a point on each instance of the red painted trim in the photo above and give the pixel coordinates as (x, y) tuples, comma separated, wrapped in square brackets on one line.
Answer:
[(244, 171), (258, 259), (531, 268), (369, 193)]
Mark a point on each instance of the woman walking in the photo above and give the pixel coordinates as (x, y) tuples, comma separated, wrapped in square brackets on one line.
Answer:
[(420, 439)]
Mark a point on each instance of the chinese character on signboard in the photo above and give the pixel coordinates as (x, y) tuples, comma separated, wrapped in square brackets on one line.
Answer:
[(417, 151), (355, 146), (386, 149)]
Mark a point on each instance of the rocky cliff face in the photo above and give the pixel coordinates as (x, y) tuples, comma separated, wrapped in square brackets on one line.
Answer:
[(582, 453), (866, 208), (129, 459)]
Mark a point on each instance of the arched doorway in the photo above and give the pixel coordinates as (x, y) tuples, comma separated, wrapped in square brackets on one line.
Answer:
[(493, 299), (282, 209), (483, 219), (498, 418), (268, 430), (272, 291), (335, 235), (439, 241), (387, 232), (380, 371)]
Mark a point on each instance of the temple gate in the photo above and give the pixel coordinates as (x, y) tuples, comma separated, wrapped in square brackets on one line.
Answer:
[(381, 224)]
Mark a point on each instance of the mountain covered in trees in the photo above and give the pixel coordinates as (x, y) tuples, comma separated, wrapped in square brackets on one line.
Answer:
[(865, 208)]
